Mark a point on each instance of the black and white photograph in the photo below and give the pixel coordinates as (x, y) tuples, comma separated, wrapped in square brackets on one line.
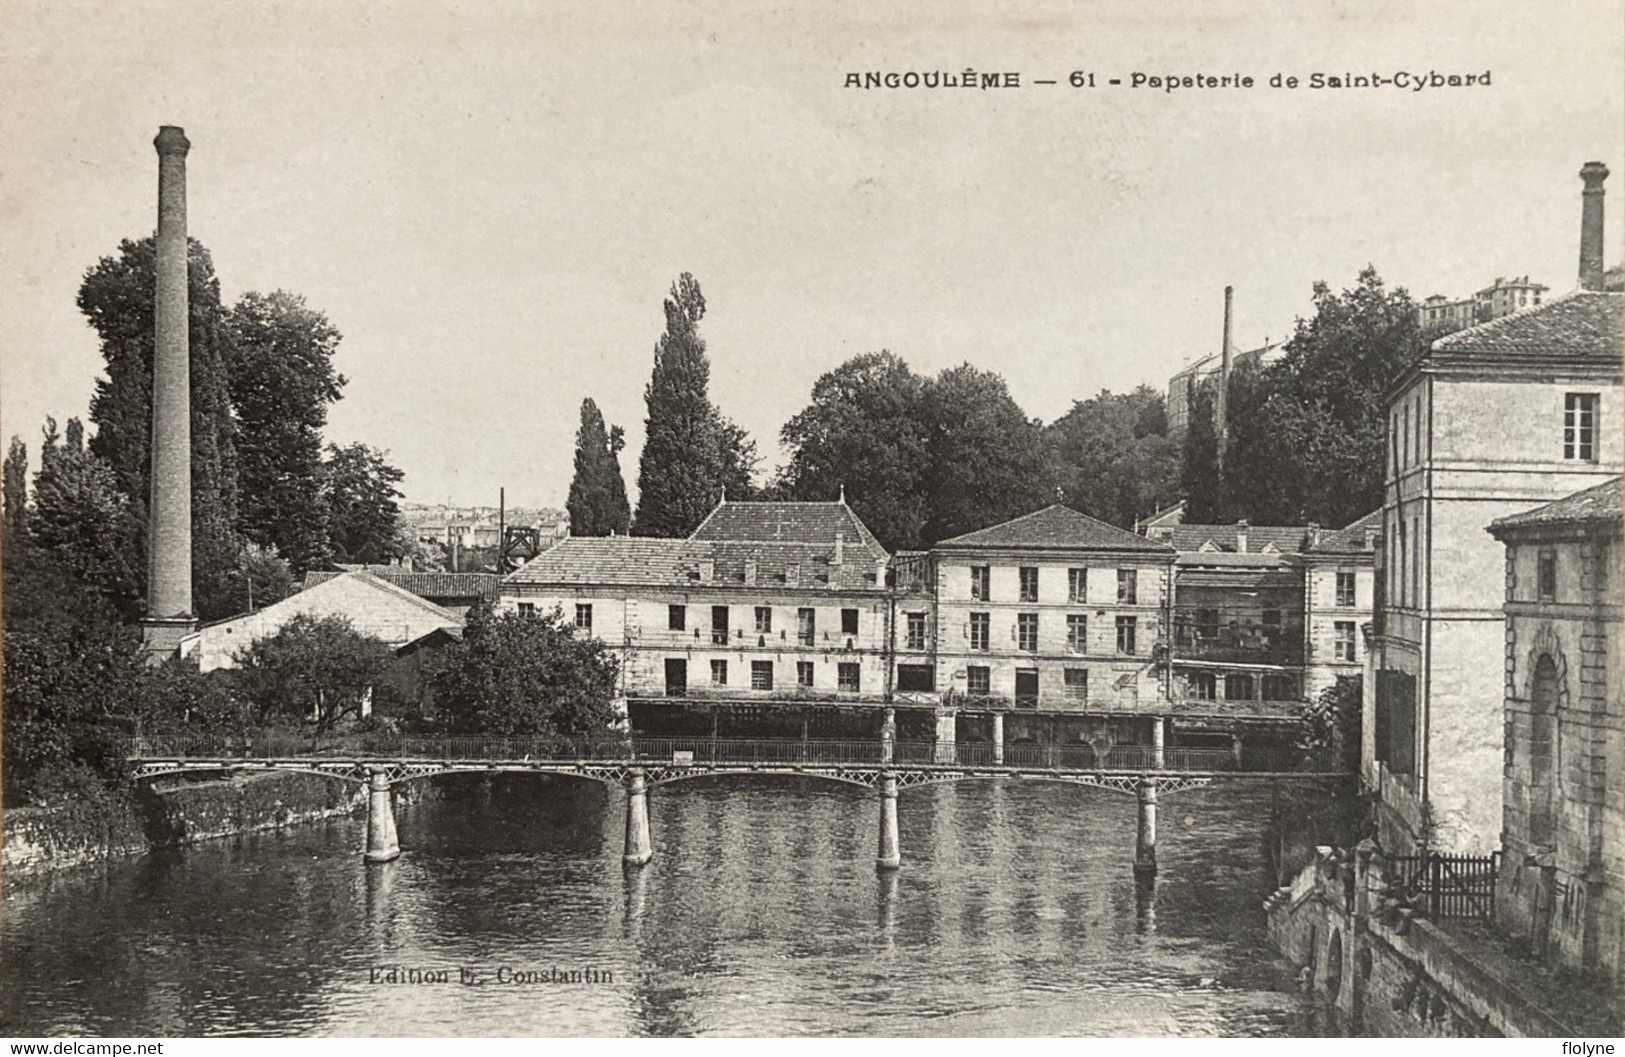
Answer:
[(853, 520)]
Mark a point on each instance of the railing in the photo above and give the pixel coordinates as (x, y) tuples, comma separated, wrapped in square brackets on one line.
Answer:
[(1447, 886), (1071, 756)]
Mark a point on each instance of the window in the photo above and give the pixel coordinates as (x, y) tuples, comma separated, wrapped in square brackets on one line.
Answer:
[(1204, 686), (1238, 687), (719, 625), (1345, 589), (978, 631), (916, 631), (1077, 683), (1029, 583), (806, 626), (1077, 585), (761, 675), (677, 618), (1027, 632), (849, 622), (804, 673), (1343, 640), (1126, 629), (719, 673), (584, 616), (1280, 688), (916, 678), (1077, 633), (1027, 687), (979, 582), (1128, 588), (846, 677), (527, 609), (1580, 426), (977, 680), (1546, 576), (764, 620)]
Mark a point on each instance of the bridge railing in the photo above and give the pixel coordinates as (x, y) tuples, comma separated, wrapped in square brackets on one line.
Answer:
[(701, 750)]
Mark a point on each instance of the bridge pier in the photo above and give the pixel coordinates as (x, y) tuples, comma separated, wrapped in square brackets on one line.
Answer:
[(639, 849), (887, 854), (998, 738), (1145, 837), (383, 844), (888, 735)]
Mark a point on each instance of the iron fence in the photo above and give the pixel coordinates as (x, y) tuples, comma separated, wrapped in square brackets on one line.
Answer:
[(1447, 886)]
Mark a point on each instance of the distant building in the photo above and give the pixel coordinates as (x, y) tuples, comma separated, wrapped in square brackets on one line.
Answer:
[(1183, 387), (1521, 410), (1563, 803), (1439, 314)]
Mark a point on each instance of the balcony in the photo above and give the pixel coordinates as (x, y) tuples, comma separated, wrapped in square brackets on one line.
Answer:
[(1237, 642)]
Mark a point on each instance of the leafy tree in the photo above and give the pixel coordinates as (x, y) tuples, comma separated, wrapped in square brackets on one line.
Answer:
[(1331, 723), (15, 488), (527, 676), (1204, 492), (362, 514), (988, 462), (865, 431), (81, 518), (597, 503), (117, 299), (282, 381), (1112, 458), (312, 670), (690, 452)]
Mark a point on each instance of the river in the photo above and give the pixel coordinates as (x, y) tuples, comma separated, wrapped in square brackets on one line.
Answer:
[(1015, 913)]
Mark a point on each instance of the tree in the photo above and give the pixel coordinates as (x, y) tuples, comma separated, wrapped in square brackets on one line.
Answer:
[(1112, 458), (117, 299), (690, 452), (987, 460), (1199, 480), (15, 489), (82, 519), (282, 381), (312, 670), (597, 503), (864, 432), (527, 676), (361, 510)]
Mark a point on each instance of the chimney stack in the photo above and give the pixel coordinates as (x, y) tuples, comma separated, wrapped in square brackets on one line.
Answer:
[(169, 558), (840, 548), (1241, 537), (1221, 410), (1591, 235)]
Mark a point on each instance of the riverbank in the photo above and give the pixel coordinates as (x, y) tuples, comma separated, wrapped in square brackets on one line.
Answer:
[(124, 823)]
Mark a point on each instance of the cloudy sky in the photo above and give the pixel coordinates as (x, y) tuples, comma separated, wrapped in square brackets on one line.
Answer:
[(491, 199)]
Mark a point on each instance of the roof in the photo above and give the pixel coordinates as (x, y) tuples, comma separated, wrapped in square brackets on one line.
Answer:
[(642, 561), (1349, 539), (1599, 504), (1583, 325), (1285, 539), (1057, 527), (814, 523), (426, 584)]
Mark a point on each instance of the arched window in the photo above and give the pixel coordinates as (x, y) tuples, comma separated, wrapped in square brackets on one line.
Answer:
[(1542, 750)]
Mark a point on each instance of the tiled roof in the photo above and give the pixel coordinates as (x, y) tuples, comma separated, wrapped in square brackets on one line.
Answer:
[(1350, 539), (1583, 324), (426, 584), (1598, 503), (1057, 527), (637, 560), (814, 523), (1287, 539)]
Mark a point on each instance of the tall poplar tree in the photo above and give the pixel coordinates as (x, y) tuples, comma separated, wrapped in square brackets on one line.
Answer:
[(597, 502), (690, 452)]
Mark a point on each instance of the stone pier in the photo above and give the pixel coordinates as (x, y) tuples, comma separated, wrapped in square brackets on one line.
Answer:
[(947, 750), (383, 844), (887, 854), (1145, 837), (998, 737), (639, 848), (1158, 735)]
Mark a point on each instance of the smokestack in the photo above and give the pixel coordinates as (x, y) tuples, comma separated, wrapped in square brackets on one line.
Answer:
[(169, 557), (1221, 409), (1593, 173)]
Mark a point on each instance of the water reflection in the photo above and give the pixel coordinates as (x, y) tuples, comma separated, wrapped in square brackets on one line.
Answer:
[(1016, 911)]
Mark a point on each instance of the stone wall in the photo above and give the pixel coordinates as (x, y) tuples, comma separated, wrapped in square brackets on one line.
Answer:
[(125, 823)]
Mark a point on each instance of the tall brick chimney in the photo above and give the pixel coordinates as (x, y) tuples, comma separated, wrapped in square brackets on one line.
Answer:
[(169, 558), (1593, 173), (1221, 404)]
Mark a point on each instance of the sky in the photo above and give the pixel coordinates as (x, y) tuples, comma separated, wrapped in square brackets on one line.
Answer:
[(490, 200)]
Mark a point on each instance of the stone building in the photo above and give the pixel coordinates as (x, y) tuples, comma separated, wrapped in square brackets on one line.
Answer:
[(1490, 421), (1563, 805), (770, 615)]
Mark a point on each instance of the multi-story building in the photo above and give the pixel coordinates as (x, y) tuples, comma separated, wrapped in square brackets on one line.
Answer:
[(1339, 593), (1491, 420), (766, 602), (1439, 314), (1563, 805), (1183, 387)]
